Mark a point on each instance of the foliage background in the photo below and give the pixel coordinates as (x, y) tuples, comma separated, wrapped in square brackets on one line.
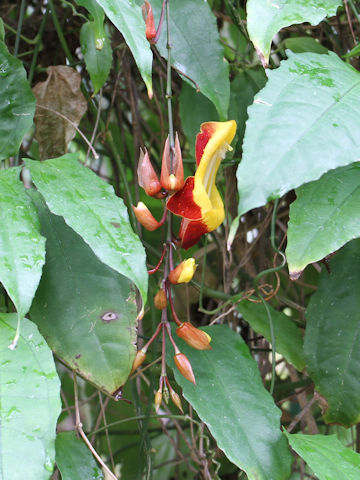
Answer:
[(75, 81)]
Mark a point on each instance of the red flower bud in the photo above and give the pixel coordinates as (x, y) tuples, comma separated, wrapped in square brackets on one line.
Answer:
[(193, 336), (139, 359), (143, 214), (147, 177), (160, 300), (184, 272), (184, 366), (172, 179), (176, 399), (150, 30)]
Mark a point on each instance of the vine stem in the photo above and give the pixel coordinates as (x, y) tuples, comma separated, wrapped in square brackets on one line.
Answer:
[(79, 428), (168, 88)]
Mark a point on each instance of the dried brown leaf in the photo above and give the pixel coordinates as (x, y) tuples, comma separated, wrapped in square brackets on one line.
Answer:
[(60, 107)]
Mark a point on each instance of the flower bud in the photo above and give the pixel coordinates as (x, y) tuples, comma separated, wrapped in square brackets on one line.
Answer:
[(172, 179), (143, 214), (160, 300), (193, 336), (147, 177), (184, 272), (176, 400), (158, 400), (184, 366), (150, 30), (139, 359)]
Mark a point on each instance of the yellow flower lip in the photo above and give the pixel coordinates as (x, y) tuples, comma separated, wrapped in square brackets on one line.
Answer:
[(184, 272)]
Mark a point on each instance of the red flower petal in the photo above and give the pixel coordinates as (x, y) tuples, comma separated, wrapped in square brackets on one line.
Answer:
[(202, 138), (191, 232), (182, 202)]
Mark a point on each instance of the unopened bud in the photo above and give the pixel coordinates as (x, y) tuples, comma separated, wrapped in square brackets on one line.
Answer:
[(150, 30), (176, 400), (158, 400), (160, 300), (184, 366), (144, 216), (139, 359), (172, 176), (193, 336), (147, 177), (184, 272)]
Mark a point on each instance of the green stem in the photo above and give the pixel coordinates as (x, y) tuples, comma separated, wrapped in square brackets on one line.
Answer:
[(59, 32), (38, 45), (19, 27), (354, 9), (168, 88)]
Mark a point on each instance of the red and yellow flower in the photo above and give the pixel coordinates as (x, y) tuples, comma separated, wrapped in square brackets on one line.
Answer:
[(199, 202)]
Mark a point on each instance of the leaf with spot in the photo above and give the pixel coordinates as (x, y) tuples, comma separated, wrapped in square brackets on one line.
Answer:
[(22, 248), (85, 310), (91, 208), (323, 217), (302, 124), (29, 403), (17, 103), (332, 337), (230, 398), (95, 45), (265, 19)]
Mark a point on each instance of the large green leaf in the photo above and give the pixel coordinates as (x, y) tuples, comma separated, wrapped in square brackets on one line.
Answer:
[(326, 456), (265, 19), (17, 103), (127, 18), (288, 337), (91, 208), (302, 124), (84, 309), (323, 217), (22, 249), (74, 459), (332, 337), (196, 50), (95, 45), (29, 403), (230, 398)]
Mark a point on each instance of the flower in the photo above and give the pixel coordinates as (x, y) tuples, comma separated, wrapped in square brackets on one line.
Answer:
[(150, 30), (184, 272), (145, 217), (184, 366), (193, 336), (139, 360), (172, 176), (199, 202), (147, 177)]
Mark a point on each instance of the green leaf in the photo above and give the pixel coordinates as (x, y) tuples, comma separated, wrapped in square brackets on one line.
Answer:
[(29, 403), (323, 217), (304, 44), (74, 459), (127, 18), (196, 50), (84, 309), (195, 109), (95, 45), (22, 249), (289, 342), (230, 398), (17, 103), (326, 456), (91, 208), (307, 110), (265, 19), (243, 88), (332, 337)]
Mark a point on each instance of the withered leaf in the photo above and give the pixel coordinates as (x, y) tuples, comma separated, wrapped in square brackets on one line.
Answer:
[(60, 107)]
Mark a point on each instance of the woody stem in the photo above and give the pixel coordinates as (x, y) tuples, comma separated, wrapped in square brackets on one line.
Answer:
[(169, 90)]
